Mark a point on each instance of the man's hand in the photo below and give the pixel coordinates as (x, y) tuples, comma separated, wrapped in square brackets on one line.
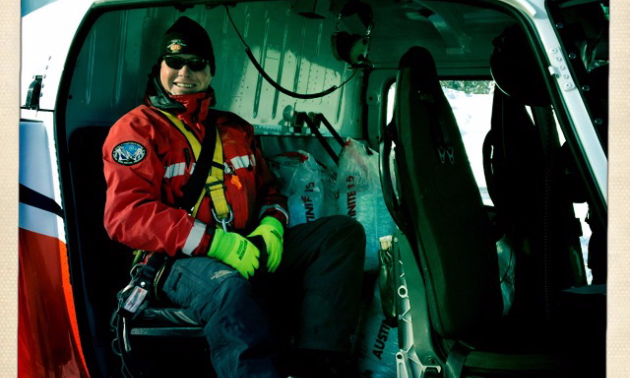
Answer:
[(272, 232), (235, 251)]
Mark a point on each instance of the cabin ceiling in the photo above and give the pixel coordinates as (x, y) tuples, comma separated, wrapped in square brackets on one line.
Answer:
[(458, 35)]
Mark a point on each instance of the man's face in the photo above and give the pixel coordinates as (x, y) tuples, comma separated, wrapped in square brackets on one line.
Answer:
[(192, 76)]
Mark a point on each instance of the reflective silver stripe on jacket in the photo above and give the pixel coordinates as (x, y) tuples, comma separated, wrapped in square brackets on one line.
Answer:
[(178, 169), (275, 207), (243, 161), (194, 238), (175, 170)]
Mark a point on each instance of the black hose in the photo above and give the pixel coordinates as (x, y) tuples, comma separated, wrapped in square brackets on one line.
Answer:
[(281, 89)]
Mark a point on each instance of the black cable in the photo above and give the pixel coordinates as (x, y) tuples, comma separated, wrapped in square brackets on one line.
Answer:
[(116, 324), (262, 72)]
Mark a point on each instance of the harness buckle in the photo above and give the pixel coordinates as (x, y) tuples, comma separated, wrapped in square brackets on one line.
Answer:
[(225, 222)]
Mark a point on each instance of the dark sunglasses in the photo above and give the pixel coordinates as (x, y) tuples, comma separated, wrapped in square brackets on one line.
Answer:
[(176, 63)]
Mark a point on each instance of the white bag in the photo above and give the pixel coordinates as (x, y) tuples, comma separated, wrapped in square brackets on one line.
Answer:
[(377, 342), (301, 181), (361, 196)]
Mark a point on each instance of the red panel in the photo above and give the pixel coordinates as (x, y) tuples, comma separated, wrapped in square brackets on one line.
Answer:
[(48, 342)]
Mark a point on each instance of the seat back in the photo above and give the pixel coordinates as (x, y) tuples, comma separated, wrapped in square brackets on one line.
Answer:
[(441, 204), (527, 182)]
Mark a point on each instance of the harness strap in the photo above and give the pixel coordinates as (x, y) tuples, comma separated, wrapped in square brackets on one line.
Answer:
[(214, 185)]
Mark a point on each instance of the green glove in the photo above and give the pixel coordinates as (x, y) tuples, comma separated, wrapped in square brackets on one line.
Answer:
[(272, 232), (235, 251)]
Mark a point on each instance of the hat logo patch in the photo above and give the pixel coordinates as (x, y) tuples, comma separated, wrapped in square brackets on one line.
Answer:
[(129, 153), (176, 45)]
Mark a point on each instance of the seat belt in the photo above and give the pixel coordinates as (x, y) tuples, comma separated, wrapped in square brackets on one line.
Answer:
[(214, 183), (456, 360)]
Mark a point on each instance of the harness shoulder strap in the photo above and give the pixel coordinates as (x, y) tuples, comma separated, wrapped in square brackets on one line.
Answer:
[(203, 157), (209, 168), (190, 136), (215, 187)]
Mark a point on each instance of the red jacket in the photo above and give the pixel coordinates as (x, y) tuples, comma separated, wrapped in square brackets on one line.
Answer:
[(147, 160)]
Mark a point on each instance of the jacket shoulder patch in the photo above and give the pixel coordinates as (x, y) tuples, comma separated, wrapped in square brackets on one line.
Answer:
[(129, 153)]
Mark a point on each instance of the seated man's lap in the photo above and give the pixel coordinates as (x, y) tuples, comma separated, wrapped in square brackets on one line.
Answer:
[(198, 283)]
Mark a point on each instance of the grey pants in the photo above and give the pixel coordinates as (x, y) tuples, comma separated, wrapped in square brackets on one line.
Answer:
[(310, 302)]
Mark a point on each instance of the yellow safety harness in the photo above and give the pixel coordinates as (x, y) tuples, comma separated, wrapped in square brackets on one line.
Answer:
[(214, 185)]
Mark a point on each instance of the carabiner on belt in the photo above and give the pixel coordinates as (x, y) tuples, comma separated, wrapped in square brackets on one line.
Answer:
[(225, 222)]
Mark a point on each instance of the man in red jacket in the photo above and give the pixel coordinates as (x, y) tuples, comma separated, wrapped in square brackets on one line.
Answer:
[(309, 288)]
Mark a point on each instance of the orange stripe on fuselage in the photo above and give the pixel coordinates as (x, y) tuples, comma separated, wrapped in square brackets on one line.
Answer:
[(48, 336)]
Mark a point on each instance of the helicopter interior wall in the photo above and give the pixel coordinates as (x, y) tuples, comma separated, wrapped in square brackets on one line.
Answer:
[(111, 70)]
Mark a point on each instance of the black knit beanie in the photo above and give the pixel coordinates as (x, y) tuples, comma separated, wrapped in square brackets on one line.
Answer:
[(188, 37)]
